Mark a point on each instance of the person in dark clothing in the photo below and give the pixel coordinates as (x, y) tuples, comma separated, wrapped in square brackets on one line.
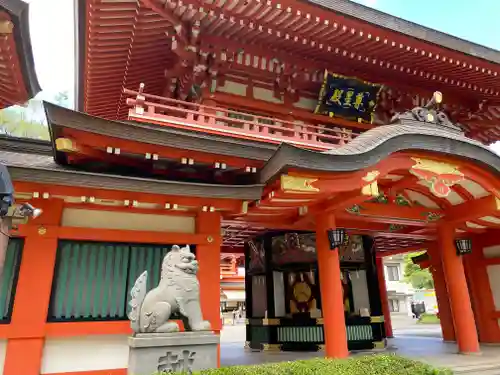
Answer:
[(413, 310)]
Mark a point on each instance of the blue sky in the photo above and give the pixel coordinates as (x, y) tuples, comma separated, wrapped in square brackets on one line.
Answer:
[(477, 21)]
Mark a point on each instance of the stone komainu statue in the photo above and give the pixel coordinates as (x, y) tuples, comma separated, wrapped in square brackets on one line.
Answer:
[(178, 291)]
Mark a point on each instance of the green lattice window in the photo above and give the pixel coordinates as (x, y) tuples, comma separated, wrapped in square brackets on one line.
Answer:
[(92, 280), (8, 280)]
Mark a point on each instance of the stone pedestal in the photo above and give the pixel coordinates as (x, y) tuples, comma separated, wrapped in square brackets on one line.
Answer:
[(152, 353)]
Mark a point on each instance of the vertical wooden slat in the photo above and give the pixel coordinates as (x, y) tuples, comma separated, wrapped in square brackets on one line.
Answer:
[(109, 255), (62, 275), (115, 283), (71, 297), (89, 296), (101, 258), (6, 286), (158, 257), (81, 281), (148, 260), (124, 285), (93, 280), (132, 277)]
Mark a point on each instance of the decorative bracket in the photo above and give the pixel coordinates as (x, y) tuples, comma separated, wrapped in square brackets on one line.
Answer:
[(430, 114)]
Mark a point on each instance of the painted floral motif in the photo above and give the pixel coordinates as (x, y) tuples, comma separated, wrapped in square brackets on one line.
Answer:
[(356, 209), (439, 176)]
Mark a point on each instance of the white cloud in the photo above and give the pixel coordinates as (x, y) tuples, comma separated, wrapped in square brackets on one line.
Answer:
[(52, 38), (495, 147), (370, 3)]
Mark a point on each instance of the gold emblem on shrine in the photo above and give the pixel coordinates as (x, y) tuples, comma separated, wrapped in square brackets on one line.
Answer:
[(298, 184), (370, 176), (439, 176)]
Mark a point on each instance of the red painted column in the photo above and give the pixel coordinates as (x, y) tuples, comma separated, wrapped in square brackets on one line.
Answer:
[(456, 283), (208, 223), (24, 348), (384, 299), (331, 290), (483, 303), (445, 316), (34, 287)]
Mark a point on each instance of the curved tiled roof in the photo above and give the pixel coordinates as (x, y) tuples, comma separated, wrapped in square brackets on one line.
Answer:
[(377, 144), (366, 150), (414, 30), (15, 48), (371, 139)]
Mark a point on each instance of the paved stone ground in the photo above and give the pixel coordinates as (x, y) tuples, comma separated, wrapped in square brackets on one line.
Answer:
[(421, 342)]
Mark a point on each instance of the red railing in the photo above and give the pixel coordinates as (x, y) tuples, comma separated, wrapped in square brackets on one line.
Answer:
[(177, 113)]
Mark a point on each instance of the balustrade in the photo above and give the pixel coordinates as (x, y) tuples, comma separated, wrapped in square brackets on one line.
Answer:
[(223, 121)]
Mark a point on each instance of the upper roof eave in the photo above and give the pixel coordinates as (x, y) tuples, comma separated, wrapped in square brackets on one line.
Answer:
[(18, 10), (408, 28)]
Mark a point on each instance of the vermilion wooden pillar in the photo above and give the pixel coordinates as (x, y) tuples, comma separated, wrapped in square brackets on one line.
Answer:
[(384, 299), (24, 349), (34, 286), (208, 223), (445, 316), (331, 290), (456, 283), (482, 298)]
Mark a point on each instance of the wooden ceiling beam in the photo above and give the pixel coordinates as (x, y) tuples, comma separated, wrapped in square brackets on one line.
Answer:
[(224, 205), (472, 210), (394, 211)]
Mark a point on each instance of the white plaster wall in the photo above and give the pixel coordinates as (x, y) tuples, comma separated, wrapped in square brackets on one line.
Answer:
[(266, 95), (306, 103), (3, 351), (360, 291), (494, 277), (73, 217), (491, 251), (234, 88), (89, 353)]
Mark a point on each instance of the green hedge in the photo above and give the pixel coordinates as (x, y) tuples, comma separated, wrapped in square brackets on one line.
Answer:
[(367, 365)]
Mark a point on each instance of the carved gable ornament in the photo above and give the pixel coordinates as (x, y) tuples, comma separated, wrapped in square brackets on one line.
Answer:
[(429, 114), (440, 177)]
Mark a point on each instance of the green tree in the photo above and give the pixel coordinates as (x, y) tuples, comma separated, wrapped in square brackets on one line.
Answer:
[(418, 278), (14, 122), (62, 99)]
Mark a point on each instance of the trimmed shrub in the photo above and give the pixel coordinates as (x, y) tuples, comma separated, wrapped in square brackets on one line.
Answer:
[(367, 365)]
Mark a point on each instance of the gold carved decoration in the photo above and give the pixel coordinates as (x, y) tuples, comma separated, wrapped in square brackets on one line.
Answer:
[(371, 190), (244, 207), (298, 184), (6, 27), (438, 175), (497, 203), (65, 145), (370, 176)]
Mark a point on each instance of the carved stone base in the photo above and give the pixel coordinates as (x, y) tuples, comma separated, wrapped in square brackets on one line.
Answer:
[(152, 353)]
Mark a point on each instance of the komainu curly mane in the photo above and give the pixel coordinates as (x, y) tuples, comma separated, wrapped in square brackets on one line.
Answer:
[(177, 292)]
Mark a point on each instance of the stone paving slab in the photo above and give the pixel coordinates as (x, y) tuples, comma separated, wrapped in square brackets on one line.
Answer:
[(420, 342), (431, 350)]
